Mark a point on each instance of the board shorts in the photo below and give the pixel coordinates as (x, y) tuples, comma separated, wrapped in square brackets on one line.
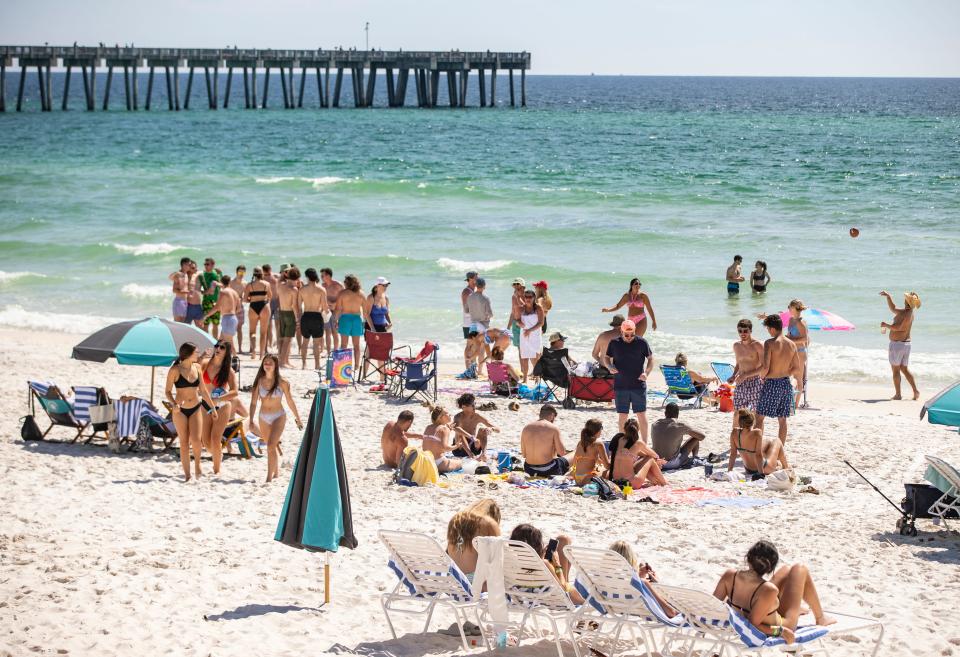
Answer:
[(635, 397), (179, 307), (208, 305), (288, 324), (679, 460), (899, 353), (747, 393), (350, 325), (516, 334), (274, 307), (733, 288), (311, 325), (331, 325), (194, 312), (558, 466), (475, 449), (228, 325), (776, 398)]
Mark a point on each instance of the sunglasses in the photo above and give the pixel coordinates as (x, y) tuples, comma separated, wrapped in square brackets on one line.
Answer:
[(221, 347), (743, 330)]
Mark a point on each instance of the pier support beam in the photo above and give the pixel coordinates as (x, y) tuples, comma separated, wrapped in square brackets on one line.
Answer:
[(283, 86), (66, 90), (226, 92), (176, 88), (166, 70), (391, 90), (371, 85), (49, 90), (303, 82), (483, 87), (3, 86), (246, 89), (523, 87), (326, 85), (253, 85), (216, 86), (512, 103), (452, 88), (293, 104), (400, 96), (266, 86), (206, 80), (126, 88), (106, 92), (434, 87), (135, 90), (23, 78), (186, 99), (493, 87), (464, 79), (149, 89), (337, 86)]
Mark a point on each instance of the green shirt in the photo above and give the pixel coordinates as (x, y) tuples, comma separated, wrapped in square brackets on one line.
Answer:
[(206, 282)]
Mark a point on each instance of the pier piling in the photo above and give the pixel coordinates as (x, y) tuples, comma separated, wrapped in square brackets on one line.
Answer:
[(66, 88), (186, 98)]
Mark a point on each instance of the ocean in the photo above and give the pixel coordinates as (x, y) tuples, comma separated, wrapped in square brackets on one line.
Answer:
[(598, 180)]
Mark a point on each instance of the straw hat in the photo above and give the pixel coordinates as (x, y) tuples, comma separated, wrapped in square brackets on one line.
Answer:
[(912, 299)]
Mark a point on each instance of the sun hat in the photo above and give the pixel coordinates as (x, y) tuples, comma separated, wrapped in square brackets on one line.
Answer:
[(519, 281), (556, 337), (382, 280), (470, 274), (627, 325), (542, 284), (617, 321), (912, 299)]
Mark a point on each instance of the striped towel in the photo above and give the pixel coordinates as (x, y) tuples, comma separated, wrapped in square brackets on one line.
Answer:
[(84, 397), (40, 387), (131, 412)]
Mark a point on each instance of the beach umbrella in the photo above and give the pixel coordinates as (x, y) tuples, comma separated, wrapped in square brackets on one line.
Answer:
[(820, 320), (151, 342), (944, 407), (316, 513)]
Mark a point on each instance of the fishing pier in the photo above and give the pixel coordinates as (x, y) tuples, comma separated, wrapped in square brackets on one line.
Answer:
[(426, 71)]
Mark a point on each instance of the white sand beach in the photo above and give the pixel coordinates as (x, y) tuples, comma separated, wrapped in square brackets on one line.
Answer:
[(104, 554)]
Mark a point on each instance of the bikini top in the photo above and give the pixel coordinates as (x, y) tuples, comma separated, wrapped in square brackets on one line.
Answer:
[(746, 610), (258, 293), (793, 331), (759, 276), (740, 447), (183, 382), (635, 303), (266, 393)]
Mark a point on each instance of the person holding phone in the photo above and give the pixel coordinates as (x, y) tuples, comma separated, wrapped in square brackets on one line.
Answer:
[(552, 555)]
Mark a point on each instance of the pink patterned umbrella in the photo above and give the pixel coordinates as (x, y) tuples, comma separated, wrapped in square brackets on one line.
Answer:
[(820, 320)]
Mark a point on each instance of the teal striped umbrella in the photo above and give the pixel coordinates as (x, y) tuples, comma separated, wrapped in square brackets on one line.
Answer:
[(944, 407), (150, 342)]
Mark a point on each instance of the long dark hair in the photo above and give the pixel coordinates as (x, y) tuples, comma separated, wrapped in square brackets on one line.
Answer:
[(187, 349), (276, 373), (223, 374), (633, 281), (626, 439), (589, 433)]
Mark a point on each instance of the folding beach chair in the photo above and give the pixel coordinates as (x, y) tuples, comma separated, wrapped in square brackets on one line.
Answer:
[(723, 371), (947, 480), (85, 398), (624, 601), (553, 370), (588, 388), (679, 384), (417, 377), (500, 379), (378, 347), (426, 579), (55, 405), (139, 421), (724, 630)]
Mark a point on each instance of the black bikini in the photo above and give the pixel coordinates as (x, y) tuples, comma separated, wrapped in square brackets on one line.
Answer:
[(183, 382), (758, 282), (257, 306)]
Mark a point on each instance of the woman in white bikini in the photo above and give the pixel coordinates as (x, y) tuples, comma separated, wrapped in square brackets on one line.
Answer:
[(531, 337), (438, 440), (186, 392), (638, 307), (270, 389)]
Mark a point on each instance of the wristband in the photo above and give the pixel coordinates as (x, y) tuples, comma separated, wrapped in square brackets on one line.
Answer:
[(777, 630)]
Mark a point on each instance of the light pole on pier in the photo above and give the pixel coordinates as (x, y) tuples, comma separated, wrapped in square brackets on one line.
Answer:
[(366, 29)]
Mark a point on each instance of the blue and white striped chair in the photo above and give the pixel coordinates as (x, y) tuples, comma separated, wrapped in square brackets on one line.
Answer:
[(131, 413), (426, 579), (83, 398)]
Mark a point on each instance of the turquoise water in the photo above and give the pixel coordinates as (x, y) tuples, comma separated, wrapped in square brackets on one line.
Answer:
[(600, 179)]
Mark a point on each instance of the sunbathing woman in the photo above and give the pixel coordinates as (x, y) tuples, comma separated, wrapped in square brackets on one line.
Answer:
[(219, 377), (439, 437), (644, 572), (632, 460), (590, 458), (464, 526), (185, 390), (773, 606), (638, 307), (258, 294), (558, 564), (760, 455), (269, 388)]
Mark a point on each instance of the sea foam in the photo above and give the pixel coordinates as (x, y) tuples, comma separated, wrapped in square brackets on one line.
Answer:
[(19, 317), (146, 292), (316, 183), (148, 249), (10, 276), (475, 265)]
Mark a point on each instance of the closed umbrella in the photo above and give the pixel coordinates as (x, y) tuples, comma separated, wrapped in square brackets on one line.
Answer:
[(151, 342), (944, 407), (316, 513)]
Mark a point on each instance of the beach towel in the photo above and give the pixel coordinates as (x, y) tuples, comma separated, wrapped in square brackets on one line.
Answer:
[(738, 502), (418, 467), (668, 495)]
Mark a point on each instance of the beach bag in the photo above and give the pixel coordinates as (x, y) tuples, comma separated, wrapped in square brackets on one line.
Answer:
[(779, 480), (102, 415), (30, 431), (144, 441), (418, 467), (606, 489)]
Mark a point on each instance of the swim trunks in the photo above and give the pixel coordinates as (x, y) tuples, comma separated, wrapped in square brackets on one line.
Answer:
[(228, 325), (776, 398), (179, 307), (899, 353), (474, 448), (194, 312), (331, 325), (240, 315), (733, 288), (274, 307), (747, 393), (624, 399), (288, 324), (208, 305), (557, 466), (311, 325), (516, 334), (350, 324)]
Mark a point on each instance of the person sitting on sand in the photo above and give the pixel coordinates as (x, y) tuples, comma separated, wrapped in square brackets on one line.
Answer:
[(475, 427), (643, 570), (700, 382), (496, 356), (760, 455), (632, 461), (773, 606), (474, 355), (542, 447), (395, 437), (438, 438), (557, 562), (590, 458), (481, 518), (667, 437)]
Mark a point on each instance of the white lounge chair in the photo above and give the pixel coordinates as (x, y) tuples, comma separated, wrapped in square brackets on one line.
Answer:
[(533, 593), (726, 632), (426, 578), (950, 479), (624, 601)]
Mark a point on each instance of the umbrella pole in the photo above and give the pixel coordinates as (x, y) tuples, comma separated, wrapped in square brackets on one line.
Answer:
[(153, 374), (326, 580)]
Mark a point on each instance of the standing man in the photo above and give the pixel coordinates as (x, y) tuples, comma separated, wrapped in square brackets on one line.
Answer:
[(289, 312), (333, 289), (471, 286), (600, 346), (181, 286), (780, 362), (210, 286), (314, 300), (746, 374), (899, 351), (194, 297), (273, 280), (516, 309), (734, 276), (239, 285), (630, 359), (226, 307)]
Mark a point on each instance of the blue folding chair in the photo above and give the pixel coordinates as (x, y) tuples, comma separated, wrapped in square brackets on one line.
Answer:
[(418, 376), (680, 385), (723, 371)]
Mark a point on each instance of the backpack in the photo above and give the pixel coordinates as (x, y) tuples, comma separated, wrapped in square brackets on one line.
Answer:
[(30, 430), (607, 490), (418, 467)]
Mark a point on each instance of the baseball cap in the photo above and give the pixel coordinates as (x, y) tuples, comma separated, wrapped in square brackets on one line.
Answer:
[(627, 325), (542, 284), (617, 321), (382, 280), (556, 337), (519, 281), (470, 274)]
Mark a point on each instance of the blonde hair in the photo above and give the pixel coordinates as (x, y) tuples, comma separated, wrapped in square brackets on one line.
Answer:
[(745, 418), (464, 526), (485, 507), (624, 550), (436, 413)]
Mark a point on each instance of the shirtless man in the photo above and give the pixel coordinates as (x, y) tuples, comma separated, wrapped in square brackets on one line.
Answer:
[(734, 276), (516, 309), (209, 283), (348, 314), (181, 285), (746, 375), (542, 446), (273, 280), (780, 362), (194, 297), (238, 285), (600, 346), (333, 289), (226, 304), (474, 426), (395, 437), (289, 314), (899, 352), (314, 300), (471, 287)]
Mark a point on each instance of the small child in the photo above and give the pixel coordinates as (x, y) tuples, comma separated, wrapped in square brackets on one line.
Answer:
[(590, 458)]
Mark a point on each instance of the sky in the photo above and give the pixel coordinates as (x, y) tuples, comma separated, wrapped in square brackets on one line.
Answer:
[(630, 37)]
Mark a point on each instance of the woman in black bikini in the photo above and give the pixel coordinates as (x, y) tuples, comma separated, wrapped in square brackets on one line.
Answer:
[(186, 392), (759, 278), (773, 606), (258, 295)]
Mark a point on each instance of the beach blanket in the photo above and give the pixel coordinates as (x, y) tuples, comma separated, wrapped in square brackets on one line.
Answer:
[(668, 495), (738, 502), (565, 484)]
